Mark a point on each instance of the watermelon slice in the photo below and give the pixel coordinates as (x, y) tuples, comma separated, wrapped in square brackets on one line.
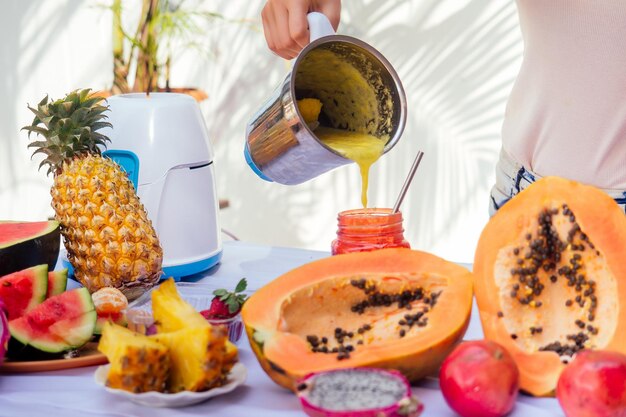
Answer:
[(23, 290), (57, 282), (26, 244), (117, 318), (62, 322)]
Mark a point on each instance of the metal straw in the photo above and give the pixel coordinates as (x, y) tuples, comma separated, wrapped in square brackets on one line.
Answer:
[(407, 182)]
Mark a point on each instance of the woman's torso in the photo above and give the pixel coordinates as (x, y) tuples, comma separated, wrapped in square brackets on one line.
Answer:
[(566, 114)]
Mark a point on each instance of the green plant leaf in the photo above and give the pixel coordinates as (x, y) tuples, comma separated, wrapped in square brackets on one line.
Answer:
[(241, 285)]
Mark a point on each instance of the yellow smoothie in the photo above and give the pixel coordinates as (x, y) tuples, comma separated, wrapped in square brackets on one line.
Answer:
[(355, 102), (362, 148)]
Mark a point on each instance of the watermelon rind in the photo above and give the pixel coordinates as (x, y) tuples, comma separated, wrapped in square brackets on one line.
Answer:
[(57, 282), (101, 320), (39, 278), (42, 247), (64, 334)]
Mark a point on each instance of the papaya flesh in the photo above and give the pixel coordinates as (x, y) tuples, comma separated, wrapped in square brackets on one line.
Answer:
[(549, 276), (393, 308)]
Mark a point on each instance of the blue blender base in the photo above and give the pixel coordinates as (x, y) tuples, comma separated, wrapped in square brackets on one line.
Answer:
[(178, 272)]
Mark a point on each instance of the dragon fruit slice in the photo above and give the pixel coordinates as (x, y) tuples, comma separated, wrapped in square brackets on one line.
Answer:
[(358, 392), (4, 332)]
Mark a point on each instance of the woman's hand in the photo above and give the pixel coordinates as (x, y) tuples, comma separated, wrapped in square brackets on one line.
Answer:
[(285, 25)]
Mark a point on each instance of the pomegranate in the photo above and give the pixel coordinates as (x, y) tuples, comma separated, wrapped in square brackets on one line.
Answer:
[(358, 392), (4, 332), (594, 385), (480, 379)]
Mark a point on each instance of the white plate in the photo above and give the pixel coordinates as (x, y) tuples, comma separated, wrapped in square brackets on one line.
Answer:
[(236, 377)]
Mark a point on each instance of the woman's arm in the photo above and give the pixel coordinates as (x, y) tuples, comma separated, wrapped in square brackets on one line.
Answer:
[(285, 25)]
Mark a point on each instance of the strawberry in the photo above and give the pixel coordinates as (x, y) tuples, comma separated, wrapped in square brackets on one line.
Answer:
[(226, 304)]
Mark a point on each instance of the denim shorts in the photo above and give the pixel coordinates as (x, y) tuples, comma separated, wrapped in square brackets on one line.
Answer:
[(512, 177)]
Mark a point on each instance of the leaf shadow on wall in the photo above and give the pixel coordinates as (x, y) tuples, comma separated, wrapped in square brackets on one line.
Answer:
[(457, 69)]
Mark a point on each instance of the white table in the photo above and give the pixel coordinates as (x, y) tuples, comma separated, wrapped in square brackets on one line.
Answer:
[(73, 393)]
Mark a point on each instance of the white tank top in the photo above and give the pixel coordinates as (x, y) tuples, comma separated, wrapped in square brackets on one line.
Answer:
[(566, 115)]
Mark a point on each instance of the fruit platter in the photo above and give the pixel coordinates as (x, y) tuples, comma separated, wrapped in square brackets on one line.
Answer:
[(536, 327)]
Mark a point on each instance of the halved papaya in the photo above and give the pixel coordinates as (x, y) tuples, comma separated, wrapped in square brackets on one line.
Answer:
[(392, 308), (550, 278)]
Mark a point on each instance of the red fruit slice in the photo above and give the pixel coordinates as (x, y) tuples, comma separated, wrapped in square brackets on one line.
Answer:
[(26, 244), (62, 322), (23, 290), (57, 282)]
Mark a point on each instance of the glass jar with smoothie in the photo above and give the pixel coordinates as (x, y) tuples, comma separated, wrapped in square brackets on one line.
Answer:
[(363, 230)]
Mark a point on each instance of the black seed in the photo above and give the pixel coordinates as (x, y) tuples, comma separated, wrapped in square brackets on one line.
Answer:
[(500, 314), (568, 303), (513, 336), (301, 387), (402, 333)]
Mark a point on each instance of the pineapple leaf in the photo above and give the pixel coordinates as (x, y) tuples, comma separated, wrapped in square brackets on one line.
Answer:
[(37, 129), (68, 127), (43, 101)]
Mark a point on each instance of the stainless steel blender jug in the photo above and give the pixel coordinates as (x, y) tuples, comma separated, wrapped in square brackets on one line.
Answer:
[(281, 147)]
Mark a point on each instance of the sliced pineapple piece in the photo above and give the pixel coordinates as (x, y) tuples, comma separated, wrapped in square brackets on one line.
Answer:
[(201, 354), (171, 312), (230, 357), (197, 356), (138, 363)]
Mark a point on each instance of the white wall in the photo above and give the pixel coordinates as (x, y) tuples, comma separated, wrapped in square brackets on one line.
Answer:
[(457, 60)]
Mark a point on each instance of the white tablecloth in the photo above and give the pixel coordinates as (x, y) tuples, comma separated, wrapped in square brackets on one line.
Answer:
[(73, 393)]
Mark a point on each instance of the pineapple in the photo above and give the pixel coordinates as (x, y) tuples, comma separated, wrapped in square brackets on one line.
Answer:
[(109, 239), (197, 355), (179, 324), (138, 363), (171, 312)]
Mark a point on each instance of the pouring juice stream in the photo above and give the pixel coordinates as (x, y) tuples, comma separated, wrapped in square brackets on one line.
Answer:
[(362, 148)]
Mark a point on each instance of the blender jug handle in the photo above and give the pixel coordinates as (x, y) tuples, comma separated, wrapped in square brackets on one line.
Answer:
[(319, 26)]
